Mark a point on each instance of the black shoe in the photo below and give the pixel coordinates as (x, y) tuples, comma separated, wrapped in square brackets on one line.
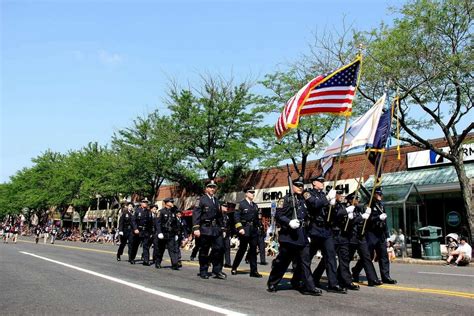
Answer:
[(255, 275), (296, 286), (337, 289), (157, 265), (271, 288), (175, 268), (131, 261), (375, 283), (353, 287), (146, 263), (313, 292), (118, 258), (263, 263), (233, 272), (204, 276), (389, 281), (220, 275), (227, 266)]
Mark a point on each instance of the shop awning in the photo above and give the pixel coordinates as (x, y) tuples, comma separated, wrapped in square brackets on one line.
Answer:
[(428, 179), (398, 194)]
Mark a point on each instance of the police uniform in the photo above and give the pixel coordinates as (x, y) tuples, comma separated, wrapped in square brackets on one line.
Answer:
[(246, 218), (125, 232), (376, 236), (321, 235), (294, 244), (166, 235), (227, 231), (142, 221), (207, 218), (183, 234), (358, 243)]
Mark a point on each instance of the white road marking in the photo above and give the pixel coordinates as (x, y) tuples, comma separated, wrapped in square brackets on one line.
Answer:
[(454, 274), (143, 288)]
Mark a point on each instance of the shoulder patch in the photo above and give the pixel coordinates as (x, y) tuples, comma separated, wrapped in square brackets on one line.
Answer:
[(280, 203), (306, 195)]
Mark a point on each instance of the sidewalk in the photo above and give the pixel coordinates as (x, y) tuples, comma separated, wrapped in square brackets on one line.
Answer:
[(408, 260)]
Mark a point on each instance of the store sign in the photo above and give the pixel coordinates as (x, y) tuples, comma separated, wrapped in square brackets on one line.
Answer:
[(453, 219), (425, 158)]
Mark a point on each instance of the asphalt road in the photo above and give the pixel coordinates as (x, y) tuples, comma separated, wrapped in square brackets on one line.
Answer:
[(78, 279)]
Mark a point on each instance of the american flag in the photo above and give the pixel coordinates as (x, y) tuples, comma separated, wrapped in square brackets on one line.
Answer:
[(329, 93)]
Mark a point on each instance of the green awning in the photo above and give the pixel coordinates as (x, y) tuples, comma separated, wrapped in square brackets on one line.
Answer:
[(422, 177), (398, 194)]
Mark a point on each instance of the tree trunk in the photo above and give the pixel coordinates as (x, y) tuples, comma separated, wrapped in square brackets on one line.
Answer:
[(466, 194)]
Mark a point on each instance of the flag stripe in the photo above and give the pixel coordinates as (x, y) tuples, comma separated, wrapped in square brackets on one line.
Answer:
[(330, 93)]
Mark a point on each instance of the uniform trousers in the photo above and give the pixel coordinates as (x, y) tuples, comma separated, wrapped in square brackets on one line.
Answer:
[(216, 245), (327, 247), (289, 252), (251, 242), (136, 240), (124, 239), (364, 257), (161, 245), (376, 244)]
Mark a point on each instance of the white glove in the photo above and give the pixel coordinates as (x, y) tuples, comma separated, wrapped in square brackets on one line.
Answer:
[(383, 216), (350, 209), (176, 238), (121, 233), (309, 239), (368, 210), (365, 216), (161, 236), (223, 234), (350, 215), (294, 223), (333, 202), (331, 194)]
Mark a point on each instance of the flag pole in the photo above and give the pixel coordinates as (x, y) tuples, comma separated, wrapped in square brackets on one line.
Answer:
[(339, 162), (379, 167)]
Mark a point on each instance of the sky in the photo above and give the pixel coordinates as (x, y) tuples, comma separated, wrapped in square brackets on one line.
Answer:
[(74, 72)]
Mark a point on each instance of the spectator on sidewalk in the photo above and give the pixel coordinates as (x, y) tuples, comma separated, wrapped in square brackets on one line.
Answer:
[(462, 254)]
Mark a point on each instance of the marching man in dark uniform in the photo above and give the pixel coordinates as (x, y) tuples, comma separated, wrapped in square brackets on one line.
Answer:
[(294, 243), (142, 222), (226, 232), (207, 227), (342, 236), (357, 240), (125, 230), (320, 230), (376, 238), (246, 223), (166, 234)]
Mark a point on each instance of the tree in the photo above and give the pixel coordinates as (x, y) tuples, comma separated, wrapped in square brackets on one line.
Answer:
[(427, 57), (218, 125), (148, 153)]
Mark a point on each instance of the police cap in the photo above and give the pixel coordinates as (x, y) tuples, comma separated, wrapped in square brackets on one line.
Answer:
[(168, 199), (378, 191), (250, 189), (211, 184), (145, 200), (299, 182), (352, 196), (319, 178)]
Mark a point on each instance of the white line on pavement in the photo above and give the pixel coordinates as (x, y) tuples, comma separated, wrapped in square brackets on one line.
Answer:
[(143, 288), (455, 274)]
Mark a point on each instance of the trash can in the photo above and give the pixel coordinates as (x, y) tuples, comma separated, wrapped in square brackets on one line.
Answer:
[(415, 247), (430, 239)]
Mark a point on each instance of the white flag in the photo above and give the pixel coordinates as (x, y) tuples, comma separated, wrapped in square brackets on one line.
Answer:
[(360, 133)]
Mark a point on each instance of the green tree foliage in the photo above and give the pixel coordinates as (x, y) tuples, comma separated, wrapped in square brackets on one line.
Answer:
[(218, 125), (148, 153), (427, 57)]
